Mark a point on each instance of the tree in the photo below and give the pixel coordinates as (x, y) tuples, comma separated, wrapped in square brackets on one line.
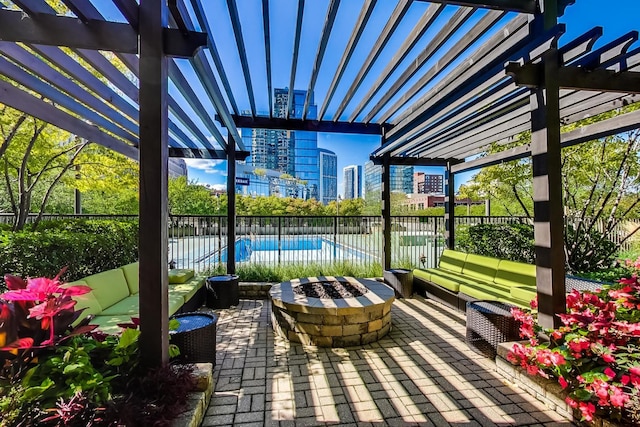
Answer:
[(35, 156), (600, 182), (189, 198)]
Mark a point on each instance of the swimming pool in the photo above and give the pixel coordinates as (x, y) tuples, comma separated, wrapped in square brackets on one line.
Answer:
[(291, 249)]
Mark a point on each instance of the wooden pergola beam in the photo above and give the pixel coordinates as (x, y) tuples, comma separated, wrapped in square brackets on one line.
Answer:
[(520, 6), (56, 30), (578, 78), (307, 125)]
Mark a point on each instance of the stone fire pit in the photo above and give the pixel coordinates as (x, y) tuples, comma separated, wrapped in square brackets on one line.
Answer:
[(331, 311)]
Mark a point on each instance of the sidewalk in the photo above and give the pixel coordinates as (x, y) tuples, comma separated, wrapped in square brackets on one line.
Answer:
[(422, 373)]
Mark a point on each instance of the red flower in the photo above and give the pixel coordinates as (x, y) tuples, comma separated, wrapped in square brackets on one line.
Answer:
[(563, 382), (610, 373)]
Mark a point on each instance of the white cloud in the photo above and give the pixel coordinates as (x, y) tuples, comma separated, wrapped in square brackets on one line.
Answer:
[(219, 187), (207, 166)]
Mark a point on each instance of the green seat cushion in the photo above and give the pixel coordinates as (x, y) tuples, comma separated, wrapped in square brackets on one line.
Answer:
[(109, 287), (444, 279), (452, 260), (422, 274), (186, 290), (129, 306), (513, 273), (132, 274), (109, 324), (176, 301), (480, 267), (486, 291), (515, 302), (87, 301), (524, 293), (178, 275)]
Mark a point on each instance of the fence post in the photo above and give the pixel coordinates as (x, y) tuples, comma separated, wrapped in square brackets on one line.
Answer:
[(335, 238), (279, 238), (435, 242)]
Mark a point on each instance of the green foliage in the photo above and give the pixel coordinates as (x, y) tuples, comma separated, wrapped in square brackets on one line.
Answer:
[(283, 272), (505, 241), (186, 198), (86, 247), (590, 249)]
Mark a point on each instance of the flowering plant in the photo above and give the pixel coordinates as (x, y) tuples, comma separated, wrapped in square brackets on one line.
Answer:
[(595, 355), (37, 312)]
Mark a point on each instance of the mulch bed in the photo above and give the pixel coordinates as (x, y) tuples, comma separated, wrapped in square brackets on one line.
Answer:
[(330, 289)]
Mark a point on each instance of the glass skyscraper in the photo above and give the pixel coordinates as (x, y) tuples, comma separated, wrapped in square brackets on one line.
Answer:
[(328, 175), (352, 181), (400, 179), (294, 153)]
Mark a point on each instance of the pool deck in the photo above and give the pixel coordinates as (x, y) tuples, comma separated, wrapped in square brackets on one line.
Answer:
[(422, 373)]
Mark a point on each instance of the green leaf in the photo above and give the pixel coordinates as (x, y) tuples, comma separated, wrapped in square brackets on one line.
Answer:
[(72, 368), (129, 336), (33, 392), (116, 361), (173, 324)]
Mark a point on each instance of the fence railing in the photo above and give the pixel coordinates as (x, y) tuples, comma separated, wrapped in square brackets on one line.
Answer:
[(200, 242)]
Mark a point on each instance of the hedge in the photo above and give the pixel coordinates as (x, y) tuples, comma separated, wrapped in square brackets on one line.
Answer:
[(505, 241), (84, 246)]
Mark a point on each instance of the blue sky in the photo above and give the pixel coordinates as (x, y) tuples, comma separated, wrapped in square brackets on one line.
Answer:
[(617, 17)]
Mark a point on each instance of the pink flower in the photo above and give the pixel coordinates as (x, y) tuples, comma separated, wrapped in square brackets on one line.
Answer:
[(635, 370), (618, 397), (571, 402), (563, 382), (587, 410), (610, 373), (534, 303)]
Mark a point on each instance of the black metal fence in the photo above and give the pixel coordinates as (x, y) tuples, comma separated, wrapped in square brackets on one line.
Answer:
[(200, 242)]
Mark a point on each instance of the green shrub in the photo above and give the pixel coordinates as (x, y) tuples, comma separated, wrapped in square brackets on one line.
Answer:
[(86, 247), (505, 241), (588, 251)]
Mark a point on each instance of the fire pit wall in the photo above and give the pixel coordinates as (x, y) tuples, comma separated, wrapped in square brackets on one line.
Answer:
[(340, 322)]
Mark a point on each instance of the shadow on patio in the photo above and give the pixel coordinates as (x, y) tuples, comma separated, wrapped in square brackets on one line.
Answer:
[(422, 373)]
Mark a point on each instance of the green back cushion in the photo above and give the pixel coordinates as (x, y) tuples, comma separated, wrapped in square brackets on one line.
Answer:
[(452, 260), (481, 267), (178, 275), (513, 273), (109, 287), (87, 301), (131, 273)]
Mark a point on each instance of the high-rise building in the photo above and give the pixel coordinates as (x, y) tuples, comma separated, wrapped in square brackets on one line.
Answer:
[(294, 153), (328, 175), (428, 183), (352, 181), (400, 179)]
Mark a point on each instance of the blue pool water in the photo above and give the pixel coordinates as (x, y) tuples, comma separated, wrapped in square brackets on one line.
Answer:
[(246, 247)]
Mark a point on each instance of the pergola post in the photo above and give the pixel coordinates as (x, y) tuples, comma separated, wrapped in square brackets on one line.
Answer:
[(449, 207), (548, 212), (386, 212), (231, 206), (154, 159)]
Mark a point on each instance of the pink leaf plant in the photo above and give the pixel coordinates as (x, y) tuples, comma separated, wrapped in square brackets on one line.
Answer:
[(595, 355), (35, 305)]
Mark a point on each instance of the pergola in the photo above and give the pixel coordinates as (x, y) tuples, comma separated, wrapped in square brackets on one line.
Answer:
[(152, 84)]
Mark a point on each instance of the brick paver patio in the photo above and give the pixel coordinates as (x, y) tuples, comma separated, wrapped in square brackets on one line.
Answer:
[(422, 373)]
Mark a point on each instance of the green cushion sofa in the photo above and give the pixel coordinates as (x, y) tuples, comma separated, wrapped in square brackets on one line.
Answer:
[(462, 277), (114, 295)]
